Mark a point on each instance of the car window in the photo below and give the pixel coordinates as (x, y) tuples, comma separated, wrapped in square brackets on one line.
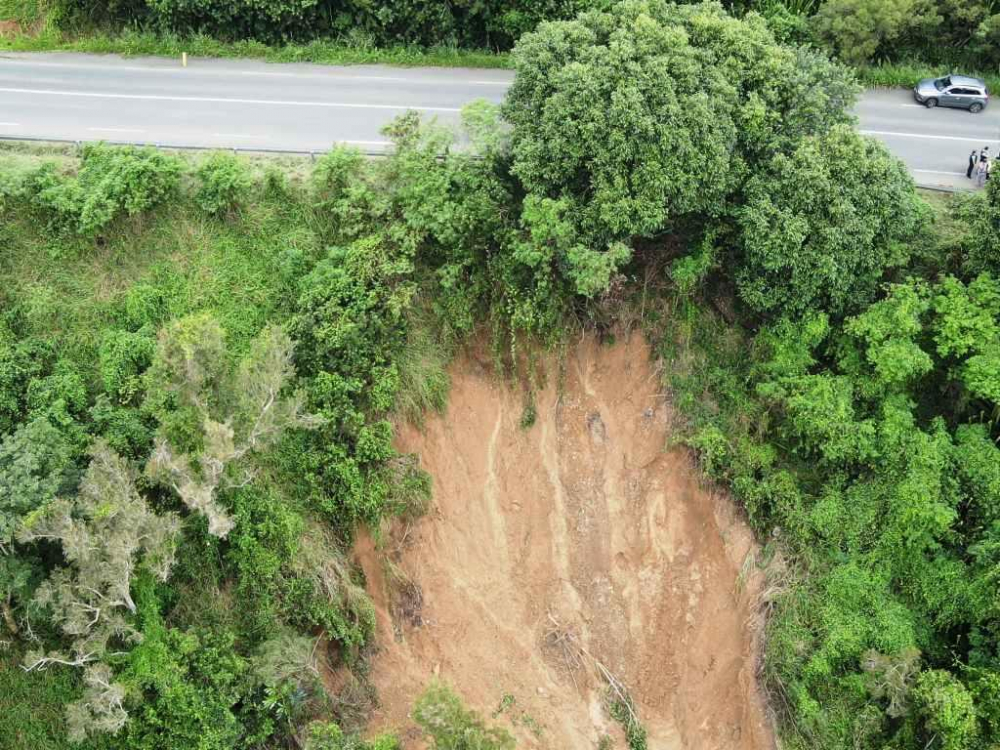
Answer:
[(942, 83)]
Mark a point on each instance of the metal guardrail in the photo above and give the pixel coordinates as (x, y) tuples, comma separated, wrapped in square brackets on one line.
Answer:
[(943, 188), (180, 147)]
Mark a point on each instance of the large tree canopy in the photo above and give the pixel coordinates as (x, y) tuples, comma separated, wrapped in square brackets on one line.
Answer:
[(650, 113), (819, 226)]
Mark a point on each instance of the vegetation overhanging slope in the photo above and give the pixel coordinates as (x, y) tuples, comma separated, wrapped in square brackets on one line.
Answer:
[(198, 365)]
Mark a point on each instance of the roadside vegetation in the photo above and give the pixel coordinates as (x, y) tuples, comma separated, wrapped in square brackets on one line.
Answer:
[(138, 42), (201, 363)]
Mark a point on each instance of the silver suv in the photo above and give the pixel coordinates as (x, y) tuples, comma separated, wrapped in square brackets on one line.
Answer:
[(962, 92)]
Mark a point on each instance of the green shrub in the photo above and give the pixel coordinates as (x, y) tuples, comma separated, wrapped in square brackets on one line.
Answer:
[(144, 305), (350, 326), (112, 182), (124, 357), (494, 24), (38, 463), (981, 245), (861, 30), (125, 429), (62, 390), (451, 726), (225, 184), (325, 735), (192, 690), (22, 361), (947, 710), (821, 225), (122, 181)]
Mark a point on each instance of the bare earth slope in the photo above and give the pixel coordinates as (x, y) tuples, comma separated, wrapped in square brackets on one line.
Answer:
[(576, 541)]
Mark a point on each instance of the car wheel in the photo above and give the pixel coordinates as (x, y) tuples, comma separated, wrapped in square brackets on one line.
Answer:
[(976, 107), (930, 103)]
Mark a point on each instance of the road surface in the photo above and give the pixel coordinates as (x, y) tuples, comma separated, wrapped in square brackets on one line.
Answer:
[(934, 143), (297, 107), (225, 103)]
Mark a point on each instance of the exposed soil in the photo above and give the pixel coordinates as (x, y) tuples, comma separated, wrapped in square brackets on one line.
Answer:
[(10, 28), (561, 549)]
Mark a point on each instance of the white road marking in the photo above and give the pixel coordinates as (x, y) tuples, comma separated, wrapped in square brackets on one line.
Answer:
[(10, 124), (345, 76), (221, 100), (931, 137), (934, 171), (332, 75), (235, 135), (116, 130)]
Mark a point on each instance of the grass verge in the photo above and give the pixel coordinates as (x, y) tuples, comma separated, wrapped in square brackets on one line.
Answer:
[(327, 52), (905, 75)]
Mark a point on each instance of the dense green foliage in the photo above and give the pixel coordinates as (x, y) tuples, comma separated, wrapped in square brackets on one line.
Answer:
[(821, 224), (932, 34), (110, 183), (690, 101), (749, 152), (225, 184), (869, 443), (199, 370), (191, 593), (493, 24)]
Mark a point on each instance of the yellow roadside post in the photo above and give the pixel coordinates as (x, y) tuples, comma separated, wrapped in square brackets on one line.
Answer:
[(184, 59)]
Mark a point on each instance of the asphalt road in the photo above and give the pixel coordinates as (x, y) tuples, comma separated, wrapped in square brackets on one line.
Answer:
[(298, 107), (225, 103)]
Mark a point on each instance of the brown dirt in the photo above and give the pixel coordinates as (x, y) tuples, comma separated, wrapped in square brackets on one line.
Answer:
[(10, 28), (549, 549)]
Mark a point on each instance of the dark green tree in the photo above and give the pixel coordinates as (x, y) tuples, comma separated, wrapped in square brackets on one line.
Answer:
[(821, 226)]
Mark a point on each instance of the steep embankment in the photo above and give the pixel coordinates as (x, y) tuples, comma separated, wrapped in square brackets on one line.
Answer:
[(557, 551)]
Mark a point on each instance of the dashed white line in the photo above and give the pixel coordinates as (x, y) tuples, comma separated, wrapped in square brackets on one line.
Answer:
[(347, 77), (224, 100), (116, 130), (929, 137)]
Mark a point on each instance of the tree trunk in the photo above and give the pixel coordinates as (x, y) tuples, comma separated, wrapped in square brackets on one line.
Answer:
[(8, 617)]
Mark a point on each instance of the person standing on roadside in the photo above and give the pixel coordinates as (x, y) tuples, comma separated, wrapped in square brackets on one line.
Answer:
[(973, 158), (982, 170)]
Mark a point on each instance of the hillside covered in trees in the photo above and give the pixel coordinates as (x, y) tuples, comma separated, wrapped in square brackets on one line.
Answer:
[(201, 363)]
